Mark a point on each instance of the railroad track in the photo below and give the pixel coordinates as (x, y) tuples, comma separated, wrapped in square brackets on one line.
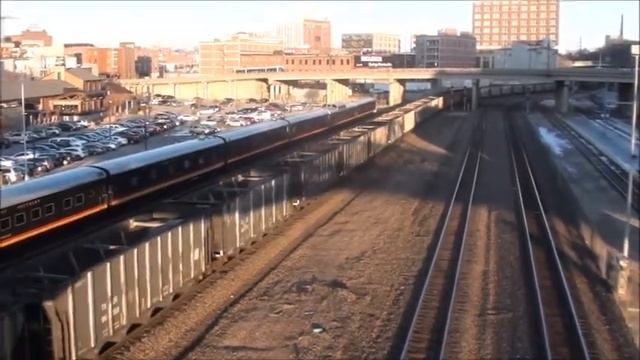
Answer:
[(559, 329), (427, 334), (613, 173)]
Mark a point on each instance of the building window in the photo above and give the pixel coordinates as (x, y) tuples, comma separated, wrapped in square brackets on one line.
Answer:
[(348, 61), (300, 62), (341, 62), (327, 61), (306, 62), (313, 62), (333, 61)]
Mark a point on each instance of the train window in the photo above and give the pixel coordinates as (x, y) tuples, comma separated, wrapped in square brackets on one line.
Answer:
[(201, 160), (79, 199), (171, 169), (134, 181), (91, 193), (5, 224), (20, 219), (187, 164), (49, 209), (36, 213), (67, 203), (153, 174)]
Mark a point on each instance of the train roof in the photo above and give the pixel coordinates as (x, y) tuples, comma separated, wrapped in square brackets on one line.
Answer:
[(307, 116), (251, 130), (47, 185), (134, 161)]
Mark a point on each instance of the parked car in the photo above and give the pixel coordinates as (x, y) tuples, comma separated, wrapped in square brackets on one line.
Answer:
[(236, 122), (111, 145), (68, 126), (5, 143), (94, 148), (67, 141), (203, 130), (188, 117), (29, 154), (29, 169), (10, 175), (68, 156), (77, 150), (7, 161), (19, 137), (45, 147), (208, 111), (44, 161)]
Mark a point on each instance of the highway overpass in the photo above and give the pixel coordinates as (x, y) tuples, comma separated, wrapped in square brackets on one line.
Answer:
[(278, 85)]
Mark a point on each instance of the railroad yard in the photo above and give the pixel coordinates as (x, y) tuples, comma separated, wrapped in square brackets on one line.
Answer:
[(454, 239)]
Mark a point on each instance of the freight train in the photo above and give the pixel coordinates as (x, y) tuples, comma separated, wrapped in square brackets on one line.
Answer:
[(34, 207)]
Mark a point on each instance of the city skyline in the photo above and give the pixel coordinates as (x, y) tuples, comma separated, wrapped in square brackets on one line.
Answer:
[(185, 24)]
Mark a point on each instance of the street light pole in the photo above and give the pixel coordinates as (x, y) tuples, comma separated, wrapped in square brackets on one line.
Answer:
[(627, 227), (24, 131), (634, 113)]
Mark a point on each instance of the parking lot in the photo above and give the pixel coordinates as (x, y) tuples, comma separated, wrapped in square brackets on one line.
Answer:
[(206, 122)]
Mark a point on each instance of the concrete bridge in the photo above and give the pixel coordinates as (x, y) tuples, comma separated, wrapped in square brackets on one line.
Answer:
[(278, 86)]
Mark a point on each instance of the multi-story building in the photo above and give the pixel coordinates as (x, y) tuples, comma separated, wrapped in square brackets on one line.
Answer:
[(33, 37), (112, 62), (499, 23), (371, 43), (445, 50), (314, 36), (520, 55), (218, 57)]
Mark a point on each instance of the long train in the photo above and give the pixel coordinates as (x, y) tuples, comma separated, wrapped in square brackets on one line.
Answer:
[(78, 301), (40, 205)]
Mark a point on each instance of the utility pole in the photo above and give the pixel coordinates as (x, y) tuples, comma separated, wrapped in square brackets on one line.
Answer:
[(24, 131)]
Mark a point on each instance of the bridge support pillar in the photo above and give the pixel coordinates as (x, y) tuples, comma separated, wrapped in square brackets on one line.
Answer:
[(279, 91), (625, 95), (205, 90), (562, 96), (173, 90), (396, 92), (337, 90), (475, 91)]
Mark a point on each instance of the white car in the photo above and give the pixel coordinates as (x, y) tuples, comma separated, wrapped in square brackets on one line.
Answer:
[(76, 150), (7, 161), (72, 141), (119, 139), (209, 111), (115, 128), (25, 155), (187, 117), (236, 123), (18, 137)]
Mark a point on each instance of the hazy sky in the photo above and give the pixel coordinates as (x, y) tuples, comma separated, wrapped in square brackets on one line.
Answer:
[(183, 24)]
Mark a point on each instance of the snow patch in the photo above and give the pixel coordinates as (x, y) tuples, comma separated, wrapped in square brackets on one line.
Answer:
[(555, 143)]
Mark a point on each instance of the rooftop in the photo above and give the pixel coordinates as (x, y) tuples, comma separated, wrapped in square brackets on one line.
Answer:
[(11, 90), (83, 74)]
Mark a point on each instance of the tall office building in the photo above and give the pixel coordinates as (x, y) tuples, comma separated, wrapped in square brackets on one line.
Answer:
[(499, 23), (311, 35)]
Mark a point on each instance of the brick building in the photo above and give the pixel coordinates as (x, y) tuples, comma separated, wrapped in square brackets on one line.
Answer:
[(313, 36), (498, 24), (33, 37), (218, 57), (446, 50), (111, 62), (362, 43)]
